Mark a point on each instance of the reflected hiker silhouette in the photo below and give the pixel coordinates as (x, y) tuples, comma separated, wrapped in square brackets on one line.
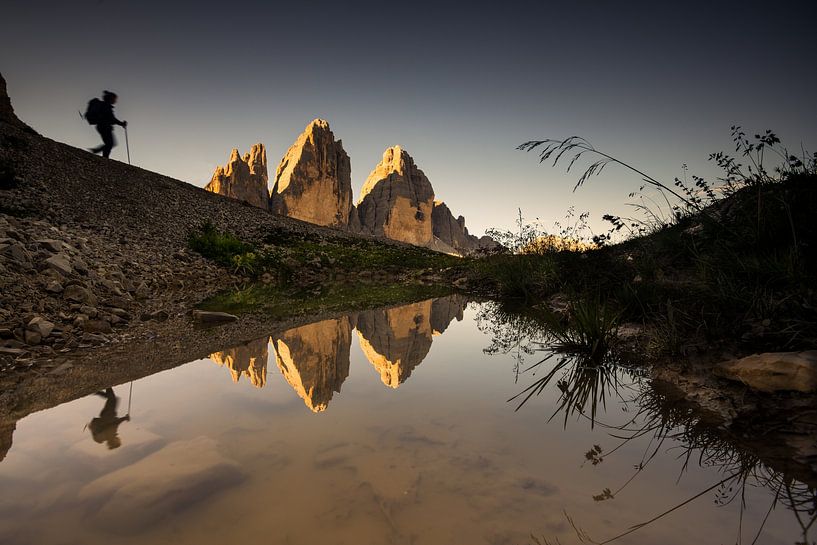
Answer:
[(104, 428), (100, 113)]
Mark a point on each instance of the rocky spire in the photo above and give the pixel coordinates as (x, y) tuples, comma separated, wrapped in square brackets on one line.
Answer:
[(452, 230), (313, 182), (397, 200), (7, 114), (243, 178)]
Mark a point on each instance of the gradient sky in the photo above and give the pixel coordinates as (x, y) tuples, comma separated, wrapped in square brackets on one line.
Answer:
[(459, 86)]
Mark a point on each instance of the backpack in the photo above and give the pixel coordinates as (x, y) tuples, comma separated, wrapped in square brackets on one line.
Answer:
[(94, 112)]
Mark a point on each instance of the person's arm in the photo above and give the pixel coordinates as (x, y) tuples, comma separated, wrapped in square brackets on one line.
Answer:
[(114, 120)]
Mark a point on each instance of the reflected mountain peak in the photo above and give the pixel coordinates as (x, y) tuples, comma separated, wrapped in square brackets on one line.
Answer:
[(396, 340), (314, 359), (249, 359)]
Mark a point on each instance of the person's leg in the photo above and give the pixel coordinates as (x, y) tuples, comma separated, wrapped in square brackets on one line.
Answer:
[(107, 138)]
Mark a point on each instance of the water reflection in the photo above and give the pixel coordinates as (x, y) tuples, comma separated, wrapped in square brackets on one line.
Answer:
[(248, 359), (445, 460), (665, 420), (314, 358), (105, 427)]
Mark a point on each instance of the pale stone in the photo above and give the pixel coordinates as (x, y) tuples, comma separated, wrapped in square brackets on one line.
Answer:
[(60, 264), (41, 326), (774, 371), (313, 182), (54, 287), (243, 178)]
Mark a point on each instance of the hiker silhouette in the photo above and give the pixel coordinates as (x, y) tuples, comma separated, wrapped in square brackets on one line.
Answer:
[(100, 113), (104, 428)]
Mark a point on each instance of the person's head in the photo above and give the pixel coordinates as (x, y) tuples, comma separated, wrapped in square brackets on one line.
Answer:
[(109, 97)]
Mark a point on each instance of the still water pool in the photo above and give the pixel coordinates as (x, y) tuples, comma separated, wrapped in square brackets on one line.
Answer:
[(378, 427)]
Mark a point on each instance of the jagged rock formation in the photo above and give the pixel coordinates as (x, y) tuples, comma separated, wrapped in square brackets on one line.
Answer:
[(7, 114), (396, 340), (444, 310), (313, 182), (248, 359), (397, 199), (314, 359), (452, 231), (243, 178)]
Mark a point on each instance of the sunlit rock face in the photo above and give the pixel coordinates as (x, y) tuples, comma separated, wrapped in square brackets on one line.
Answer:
[(397, 200), (313, 182), (314, 359), (243, 178), (249, 360), (452, 230)]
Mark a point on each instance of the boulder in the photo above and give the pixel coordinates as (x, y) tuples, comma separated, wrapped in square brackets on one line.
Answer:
[(313, 182), (208, 317), (17, 254), (79, 294), (243, 178), (41, 326), (397, 200), (52, 245), (60, 264), (774, 371)]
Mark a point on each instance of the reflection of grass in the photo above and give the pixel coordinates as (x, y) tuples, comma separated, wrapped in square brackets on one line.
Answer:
[(584, 384), (277, 301)]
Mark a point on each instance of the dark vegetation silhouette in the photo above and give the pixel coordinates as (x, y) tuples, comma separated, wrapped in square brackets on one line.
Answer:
[(700, 263)]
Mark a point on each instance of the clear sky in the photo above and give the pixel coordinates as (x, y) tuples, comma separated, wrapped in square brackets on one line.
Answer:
[(458, 85)]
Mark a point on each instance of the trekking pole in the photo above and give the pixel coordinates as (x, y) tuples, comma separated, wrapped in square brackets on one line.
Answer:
[(127, 147), (130, 393)]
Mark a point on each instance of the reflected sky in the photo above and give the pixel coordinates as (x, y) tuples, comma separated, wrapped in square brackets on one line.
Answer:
[(444, 458)]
